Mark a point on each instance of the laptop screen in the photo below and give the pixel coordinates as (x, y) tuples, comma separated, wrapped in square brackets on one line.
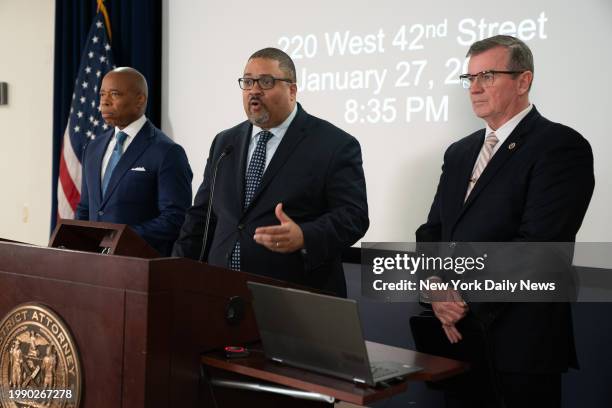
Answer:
[(309, 330)]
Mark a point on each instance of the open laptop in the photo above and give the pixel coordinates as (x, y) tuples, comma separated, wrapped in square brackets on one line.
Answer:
[(319, 333)]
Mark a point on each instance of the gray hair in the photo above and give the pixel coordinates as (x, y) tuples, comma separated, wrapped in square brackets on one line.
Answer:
[(285, 63), (521, 58)]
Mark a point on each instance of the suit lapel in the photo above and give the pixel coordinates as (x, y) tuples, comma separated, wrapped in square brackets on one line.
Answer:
[(138, 146), (460, 179), (244, 138), (510, 146), (294, 135), (97, 156)]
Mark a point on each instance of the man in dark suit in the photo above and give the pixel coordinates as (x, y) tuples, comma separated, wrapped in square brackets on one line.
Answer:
[(134, 174), (290, 191), (523, 178)]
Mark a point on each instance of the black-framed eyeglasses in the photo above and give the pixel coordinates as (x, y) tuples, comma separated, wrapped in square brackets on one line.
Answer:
[(484, 78), (264, 81)]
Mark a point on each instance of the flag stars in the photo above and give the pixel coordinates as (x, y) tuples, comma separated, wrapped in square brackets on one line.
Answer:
[(102, 58), (88, 70), (89, 133), (98, 73), (93, 104), (84, 85), (90, 54), (79, 114), (91, 118), (107, 47), (94, 39), (96, 123), (82, 99), (99, 24), (105, 126), (77, 129)]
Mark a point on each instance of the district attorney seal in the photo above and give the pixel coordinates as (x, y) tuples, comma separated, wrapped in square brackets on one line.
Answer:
[(39, 361)]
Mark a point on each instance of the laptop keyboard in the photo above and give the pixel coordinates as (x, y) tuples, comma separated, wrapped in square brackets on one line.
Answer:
[(381, 371)]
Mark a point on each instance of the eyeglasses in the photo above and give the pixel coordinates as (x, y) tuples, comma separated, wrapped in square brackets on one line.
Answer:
[(264, 81), (484, 78)]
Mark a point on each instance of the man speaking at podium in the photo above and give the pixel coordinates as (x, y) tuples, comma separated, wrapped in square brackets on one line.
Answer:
[(289, 193), (134, 174)]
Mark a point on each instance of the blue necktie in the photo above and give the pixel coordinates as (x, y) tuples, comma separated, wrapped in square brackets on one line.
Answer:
[(253, 177), (114, 159)]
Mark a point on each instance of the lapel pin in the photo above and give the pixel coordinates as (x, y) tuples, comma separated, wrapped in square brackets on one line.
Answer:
[(511, 146)]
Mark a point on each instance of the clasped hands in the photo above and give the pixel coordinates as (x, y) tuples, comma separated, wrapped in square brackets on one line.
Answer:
[(284, 238), (449, 312)]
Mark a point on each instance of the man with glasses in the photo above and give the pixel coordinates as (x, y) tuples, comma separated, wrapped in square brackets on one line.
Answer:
[(289, 189), (522, 178)]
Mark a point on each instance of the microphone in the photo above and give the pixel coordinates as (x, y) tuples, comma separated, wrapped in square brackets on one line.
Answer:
[(226, 152)]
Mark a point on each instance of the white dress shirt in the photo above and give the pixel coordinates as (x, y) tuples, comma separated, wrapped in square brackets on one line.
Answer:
[(131, 131), (277, 135), (504, 130)]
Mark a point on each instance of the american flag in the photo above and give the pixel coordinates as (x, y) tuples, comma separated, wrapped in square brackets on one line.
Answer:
[(85, 121)]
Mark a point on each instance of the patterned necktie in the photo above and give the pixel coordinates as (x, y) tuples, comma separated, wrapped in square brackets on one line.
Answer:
[(486, 152), (253, 177), (114, 159)]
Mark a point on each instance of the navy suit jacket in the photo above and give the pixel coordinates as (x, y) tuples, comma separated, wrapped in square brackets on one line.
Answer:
[(150, 189), (316, 173), (536, 188)]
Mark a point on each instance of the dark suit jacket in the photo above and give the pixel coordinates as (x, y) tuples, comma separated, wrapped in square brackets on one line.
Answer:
[(316, 173), (537, 187), (153, 202)]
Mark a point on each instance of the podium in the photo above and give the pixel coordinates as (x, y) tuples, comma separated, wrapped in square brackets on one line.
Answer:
[(101, 237), (141, 326)]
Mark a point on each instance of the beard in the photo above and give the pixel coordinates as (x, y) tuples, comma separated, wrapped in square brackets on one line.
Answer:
[(261, 117)]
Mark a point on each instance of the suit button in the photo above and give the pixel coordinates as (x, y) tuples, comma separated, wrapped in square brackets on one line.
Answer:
[(240, 227), (100, 212), (452, 244)]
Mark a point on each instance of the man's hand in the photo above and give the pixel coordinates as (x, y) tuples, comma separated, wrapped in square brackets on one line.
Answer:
[(284, 238), (450, 312), (452, 334)]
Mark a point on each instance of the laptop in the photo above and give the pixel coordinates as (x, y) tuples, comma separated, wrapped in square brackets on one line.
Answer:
[(319, 333)]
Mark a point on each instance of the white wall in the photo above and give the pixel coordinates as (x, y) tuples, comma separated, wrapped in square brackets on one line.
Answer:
[(26, 63)]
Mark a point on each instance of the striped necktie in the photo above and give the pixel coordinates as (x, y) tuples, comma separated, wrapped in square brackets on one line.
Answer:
[(486, 152)]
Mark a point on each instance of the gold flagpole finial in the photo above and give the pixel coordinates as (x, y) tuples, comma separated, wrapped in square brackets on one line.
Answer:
[(102, 8)]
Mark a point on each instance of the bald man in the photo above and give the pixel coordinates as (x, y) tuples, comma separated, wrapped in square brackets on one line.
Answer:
[(133, 173)]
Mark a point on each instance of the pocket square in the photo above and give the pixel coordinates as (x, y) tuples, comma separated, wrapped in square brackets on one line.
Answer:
[(138, 169)]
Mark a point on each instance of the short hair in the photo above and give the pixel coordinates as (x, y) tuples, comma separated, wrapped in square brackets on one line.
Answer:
[(285, 63), (138, 81), (521, 58)]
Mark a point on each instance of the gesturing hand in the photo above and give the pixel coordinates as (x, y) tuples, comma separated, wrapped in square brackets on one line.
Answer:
[(284, 238)]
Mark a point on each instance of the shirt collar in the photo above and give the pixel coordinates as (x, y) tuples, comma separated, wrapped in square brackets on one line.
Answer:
[(133, 128), (507, 128), (280, 129)]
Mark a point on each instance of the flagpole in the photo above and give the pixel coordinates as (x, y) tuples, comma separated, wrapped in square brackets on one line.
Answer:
[(102, 8)]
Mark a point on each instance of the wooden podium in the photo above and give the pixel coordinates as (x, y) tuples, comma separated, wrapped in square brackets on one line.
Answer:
[(101, 237), (141, 325)]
